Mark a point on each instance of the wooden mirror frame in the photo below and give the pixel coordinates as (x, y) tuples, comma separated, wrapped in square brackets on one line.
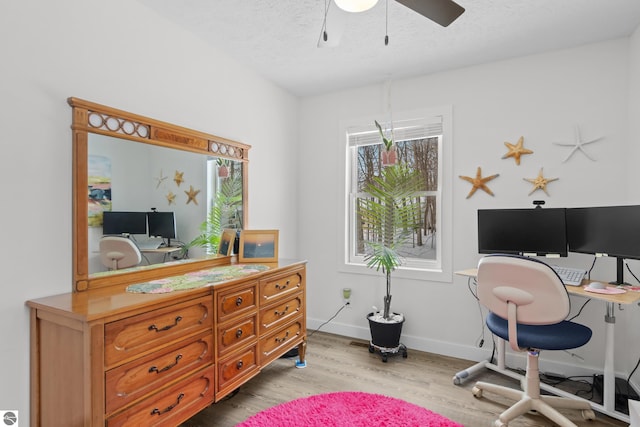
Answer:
[(89, 117)]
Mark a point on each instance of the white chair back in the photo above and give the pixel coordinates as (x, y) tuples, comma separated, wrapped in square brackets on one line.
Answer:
[(532, 285), (119, 252)]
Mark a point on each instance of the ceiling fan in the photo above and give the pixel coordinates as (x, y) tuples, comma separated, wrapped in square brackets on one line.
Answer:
[(442, 12)]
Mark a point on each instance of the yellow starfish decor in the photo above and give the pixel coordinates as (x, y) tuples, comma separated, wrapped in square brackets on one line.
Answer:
[(540, 182), (516, 150), (178, 178), (191, 194), (171, 198), (479, 182)]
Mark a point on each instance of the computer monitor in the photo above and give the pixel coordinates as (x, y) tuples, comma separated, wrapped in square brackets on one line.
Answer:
[(607, 231), (162, 224), (532, 232), (123, 223)]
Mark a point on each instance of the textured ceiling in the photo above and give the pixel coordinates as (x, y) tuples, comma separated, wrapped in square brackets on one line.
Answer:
[(279, 38)]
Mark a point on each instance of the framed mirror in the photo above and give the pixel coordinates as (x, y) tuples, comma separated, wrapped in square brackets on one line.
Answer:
[(138, 170)]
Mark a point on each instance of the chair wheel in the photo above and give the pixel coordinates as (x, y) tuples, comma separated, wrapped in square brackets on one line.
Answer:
[(384, 358), (371, 349), (404, 354), (588, 414), (477, 392)]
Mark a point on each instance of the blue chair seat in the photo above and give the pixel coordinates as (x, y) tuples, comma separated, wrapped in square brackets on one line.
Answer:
[(560, 336)]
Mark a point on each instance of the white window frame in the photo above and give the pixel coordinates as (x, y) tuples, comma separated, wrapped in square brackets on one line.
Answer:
[(405, 125)]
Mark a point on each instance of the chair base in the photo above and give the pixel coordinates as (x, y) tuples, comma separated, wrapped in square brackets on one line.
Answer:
[(543, 405)]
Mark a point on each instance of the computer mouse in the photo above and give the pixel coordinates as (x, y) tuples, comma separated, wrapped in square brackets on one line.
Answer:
[(597, 285)]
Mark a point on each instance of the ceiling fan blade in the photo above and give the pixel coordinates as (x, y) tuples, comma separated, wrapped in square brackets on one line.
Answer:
[(442, 12)]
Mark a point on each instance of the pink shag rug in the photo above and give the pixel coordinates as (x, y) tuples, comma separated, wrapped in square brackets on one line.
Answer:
[(353, 409)]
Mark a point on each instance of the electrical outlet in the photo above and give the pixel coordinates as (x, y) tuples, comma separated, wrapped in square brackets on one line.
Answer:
[(346, 296)]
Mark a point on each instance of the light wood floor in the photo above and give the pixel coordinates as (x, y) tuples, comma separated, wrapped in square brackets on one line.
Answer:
[(338, 363)]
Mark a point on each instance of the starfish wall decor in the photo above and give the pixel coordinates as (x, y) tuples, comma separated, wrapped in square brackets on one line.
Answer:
[(479, 182), (171, 198), (191, 195), (540, 182), (577, 144), (517, 150), (177, 177), (160, 179)]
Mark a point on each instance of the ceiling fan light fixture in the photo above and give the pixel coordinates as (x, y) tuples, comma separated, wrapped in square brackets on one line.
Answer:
[(355, 5)]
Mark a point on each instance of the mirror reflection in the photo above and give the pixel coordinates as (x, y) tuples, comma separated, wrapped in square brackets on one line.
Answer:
[(171, 204)]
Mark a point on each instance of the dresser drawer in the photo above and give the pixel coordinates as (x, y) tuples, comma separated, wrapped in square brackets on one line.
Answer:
[(236, 301), (132, 336), (276, 344), (236, 369), (133, 380), (236, 334), (274, 315), (276, 287), (171, 406)]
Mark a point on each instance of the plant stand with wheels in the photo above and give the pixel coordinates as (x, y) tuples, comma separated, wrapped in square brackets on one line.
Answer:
[(385, 351)]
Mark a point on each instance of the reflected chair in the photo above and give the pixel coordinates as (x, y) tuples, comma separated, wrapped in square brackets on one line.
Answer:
[(119, 252), (528, 305)]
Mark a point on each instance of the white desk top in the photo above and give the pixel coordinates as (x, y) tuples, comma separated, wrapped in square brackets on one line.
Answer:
[(628, 297)]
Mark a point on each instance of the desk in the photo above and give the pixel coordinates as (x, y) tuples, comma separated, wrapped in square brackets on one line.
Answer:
[(163, 250), (608, 406)]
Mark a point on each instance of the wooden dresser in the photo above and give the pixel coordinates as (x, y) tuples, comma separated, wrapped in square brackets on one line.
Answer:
[(107, 357)]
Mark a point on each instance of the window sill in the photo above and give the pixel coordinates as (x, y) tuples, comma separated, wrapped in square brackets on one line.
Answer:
[(425, 275)]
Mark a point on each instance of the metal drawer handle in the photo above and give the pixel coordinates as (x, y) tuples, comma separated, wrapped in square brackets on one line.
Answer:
[(157, 411), (166, 368), (281, 287), (283, 312), (283, 339), (239, 301), (239, 365), (238, 333), (166, 328)]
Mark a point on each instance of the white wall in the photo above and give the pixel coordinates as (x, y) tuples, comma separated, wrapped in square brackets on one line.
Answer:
[(634, 117), (538, 97), (119, 54)]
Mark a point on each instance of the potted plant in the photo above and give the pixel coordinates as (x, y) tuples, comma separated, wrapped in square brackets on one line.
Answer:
[(388, 155), (391, 214), (223, 167)]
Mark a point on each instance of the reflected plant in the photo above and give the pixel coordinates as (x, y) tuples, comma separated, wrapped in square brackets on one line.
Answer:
[(224, 213)]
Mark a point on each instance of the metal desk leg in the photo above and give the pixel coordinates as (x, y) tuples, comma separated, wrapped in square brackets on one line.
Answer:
[(608, 379)]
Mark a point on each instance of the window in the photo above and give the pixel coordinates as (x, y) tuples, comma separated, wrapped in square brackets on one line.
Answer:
[(420, 145)]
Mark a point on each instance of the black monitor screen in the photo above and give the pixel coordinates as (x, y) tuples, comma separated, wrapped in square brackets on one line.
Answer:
[(162, 224), (607, 230), (117, 223), (536, 232)]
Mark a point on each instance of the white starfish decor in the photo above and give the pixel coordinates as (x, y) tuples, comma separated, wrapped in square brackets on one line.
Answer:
[(160, 179), (578, 144)]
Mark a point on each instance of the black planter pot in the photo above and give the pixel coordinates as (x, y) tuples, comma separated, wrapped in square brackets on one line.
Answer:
[(385, 335)]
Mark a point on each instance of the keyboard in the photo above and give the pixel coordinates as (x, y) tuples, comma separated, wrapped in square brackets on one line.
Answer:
[(570, 276), (150, 244)]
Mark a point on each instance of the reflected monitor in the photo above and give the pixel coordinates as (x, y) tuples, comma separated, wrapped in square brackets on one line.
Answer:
[(162, 224), (118, 223)]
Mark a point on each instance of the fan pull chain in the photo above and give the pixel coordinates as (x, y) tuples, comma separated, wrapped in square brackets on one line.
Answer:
[(386, 29)]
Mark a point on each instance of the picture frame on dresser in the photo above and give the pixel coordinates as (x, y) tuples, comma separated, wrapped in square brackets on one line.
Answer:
[(258, 246), (225, 247)]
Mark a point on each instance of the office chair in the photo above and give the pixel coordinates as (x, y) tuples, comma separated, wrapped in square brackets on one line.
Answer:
[(119, 252), (527, 305)]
